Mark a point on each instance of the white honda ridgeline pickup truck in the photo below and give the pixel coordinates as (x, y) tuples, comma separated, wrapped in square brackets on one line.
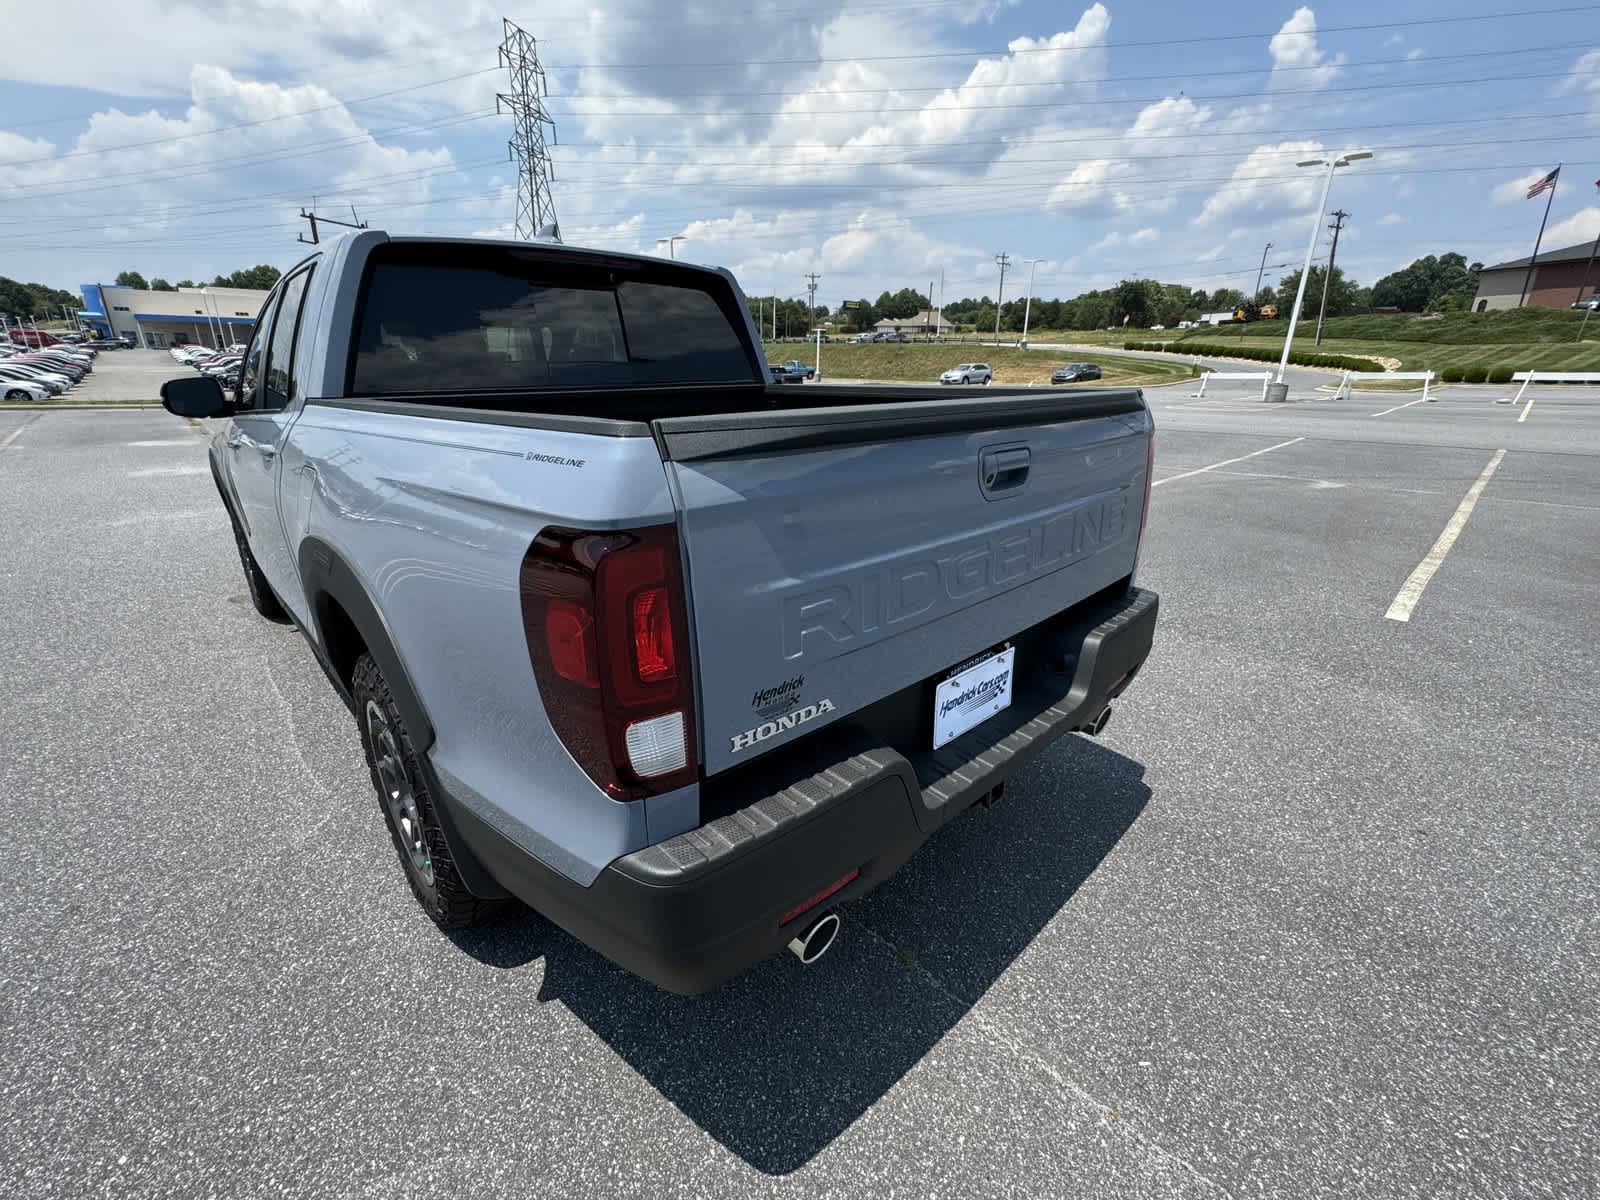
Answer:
[(681, 660)]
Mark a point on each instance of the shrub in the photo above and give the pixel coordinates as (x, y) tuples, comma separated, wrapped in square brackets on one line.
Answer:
[(1475, 375), (1452, 375), (1501, 374)]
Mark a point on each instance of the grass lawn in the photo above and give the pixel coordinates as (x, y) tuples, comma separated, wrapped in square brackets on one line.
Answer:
[(922, 363), (1522, 339)]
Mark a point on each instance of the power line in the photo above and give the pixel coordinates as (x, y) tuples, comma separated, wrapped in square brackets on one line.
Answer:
[(1474, 81), (1091, 46), (1434, 60), (289, 116)]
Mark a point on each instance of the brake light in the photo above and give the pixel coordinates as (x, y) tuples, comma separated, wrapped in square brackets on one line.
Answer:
[(605, 622), (653, 654)]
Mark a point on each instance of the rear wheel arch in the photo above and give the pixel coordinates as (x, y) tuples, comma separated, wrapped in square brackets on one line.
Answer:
[(347, 627)]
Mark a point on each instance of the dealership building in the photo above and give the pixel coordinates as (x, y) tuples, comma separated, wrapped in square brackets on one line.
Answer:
[(1559, 279), (207, 316)]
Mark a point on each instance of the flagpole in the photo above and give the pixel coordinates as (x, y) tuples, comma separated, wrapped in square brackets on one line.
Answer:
[(1528, 278), (1588, 312)]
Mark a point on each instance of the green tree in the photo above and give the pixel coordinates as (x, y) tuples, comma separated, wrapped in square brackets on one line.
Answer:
[(131, 279), (161, 285), (1224, 300), (183, 283), (1444, 282), (1341, 293)]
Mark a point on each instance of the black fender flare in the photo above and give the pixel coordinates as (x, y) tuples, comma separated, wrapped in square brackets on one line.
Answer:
[(328, 579)]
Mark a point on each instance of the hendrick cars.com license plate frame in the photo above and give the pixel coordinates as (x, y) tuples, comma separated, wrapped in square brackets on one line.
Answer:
[(973, 694)]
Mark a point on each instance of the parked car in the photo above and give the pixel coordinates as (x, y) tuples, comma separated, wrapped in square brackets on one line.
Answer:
[(1075, 373), (1592, 303), (56, 384), (106, 344), (783, 374), (968, 373), (795, 367), (537, 720), (23, 389)]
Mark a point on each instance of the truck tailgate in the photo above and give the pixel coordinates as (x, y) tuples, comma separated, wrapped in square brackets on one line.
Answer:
[(838, 555)]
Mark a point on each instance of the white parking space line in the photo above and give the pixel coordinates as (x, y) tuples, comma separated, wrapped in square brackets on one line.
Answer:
[(1398, 407), (11, 437), (164, 442), (1411, 591), (1525, 408), (1227, 462), (153, 471)]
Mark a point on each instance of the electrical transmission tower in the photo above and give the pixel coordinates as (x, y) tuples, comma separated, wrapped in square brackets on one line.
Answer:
[(536, 208)]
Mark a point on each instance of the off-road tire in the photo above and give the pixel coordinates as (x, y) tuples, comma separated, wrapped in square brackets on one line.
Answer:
[(262, 597), (439, 887)]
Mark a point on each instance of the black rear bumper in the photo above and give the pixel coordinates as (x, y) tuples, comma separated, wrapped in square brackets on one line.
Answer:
[(698, 908)]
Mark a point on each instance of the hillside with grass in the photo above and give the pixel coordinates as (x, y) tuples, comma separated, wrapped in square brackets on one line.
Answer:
[(1518, 340), (922, 362)]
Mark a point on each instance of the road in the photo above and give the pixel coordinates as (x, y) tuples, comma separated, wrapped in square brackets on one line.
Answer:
[(1316, 916)]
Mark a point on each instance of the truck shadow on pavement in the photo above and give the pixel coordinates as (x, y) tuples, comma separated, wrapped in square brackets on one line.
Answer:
[(779, 1062)]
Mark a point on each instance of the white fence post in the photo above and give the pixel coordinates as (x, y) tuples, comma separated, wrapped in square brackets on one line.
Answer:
[(1427, 379), (1527, 379)]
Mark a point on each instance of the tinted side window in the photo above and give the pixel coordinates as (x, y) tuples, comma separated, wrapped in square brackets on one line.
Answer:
[(250, 369), (278, 374)]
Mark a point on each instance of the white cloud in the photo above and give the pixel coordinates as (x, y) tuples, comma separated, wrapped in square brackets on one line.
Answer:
[(1414, 53), (1267, 182), (1513, 190), (1584, 75), (1116, 239), (1581, 226), (1392, 218), (1297, 62)]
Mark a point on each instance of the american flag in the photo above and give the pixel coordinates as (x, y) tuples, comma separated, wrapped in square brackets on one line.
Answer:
[(1545, 184)]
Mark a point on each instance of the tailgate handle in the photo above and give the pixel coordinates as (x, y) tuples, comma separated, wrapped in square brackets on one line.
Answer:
[(1003, 470)]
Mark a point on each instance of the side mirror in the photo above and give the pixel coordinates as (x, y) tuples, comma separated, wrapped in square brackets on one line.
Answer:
[(195, 396)]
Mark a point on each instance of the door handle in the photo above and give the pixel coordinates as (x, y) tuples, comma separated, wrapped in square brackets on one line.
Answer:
[(233, 439), (268, 451), (1002, 471)]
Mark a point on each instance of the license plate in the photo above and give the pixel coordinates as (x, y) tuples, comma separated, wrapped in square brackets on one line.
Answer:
[(971, 696)]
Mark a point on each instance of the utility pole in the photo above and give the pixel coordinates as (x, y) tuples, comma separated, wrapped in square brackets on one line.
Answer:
[(938, 313), (1028, 305), (811, 316), (1256, 295), (536, 208), (672, 243), (355, 222), (1339, 215), (1003, 260)]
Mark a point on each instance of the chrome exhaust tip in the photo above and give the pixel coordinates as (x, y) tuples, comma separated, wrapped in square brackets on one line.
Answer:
[(817, 938), (1101, 720)]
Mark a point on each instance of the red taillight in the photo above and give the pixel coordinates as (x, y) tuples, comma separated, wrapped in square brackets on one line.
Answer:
[(653, 654), (605, 621), (569, 640)]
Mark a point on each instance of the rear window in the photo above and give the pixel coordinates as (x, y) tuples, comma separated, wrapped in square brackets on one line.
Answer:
[(462, 319)]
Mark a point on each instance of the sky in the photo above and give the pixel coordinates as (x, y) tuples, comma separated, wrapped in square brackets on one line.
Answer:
[(880, 145)]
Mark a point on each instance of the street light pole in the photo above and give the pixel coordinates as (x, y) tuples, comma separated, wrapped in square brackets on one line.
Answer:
[(1027, 306), (1255, 296), (1337, 161)]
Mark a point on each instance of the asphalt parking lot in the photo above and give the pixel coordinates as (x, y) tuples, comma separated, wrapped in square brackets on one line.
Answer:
[(1315, 917)]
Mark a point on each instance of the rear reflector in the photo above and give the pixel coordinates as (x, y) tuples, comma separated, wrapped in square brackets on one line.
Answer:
[(657, 746), (806, 906)]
